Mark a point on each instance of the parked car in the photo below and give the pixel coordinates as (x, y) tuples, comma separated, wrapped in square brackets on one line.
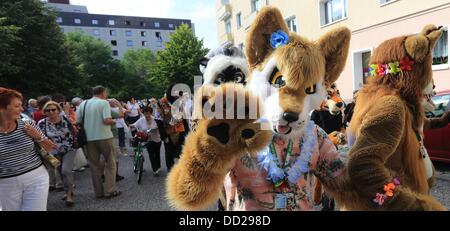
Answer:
[(437, 141)]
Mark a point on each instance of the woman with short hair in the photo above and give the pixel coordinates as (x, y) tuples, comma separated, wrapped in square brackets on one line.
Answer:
[(23, 178), (60, 130)]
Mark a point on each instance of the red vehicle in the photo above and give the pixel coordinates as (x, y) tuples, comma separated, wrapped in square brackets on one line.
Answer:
[(437, 141)]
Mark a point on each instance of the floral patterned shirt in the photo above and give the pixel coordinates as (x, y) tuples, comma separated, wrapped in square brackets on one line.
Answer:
[(248, 188), (59, 133)]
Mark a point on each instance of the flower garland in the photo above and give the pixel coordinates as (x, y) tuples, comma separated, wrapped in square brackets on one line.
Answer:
[(388, 188), (275, 174), (405, 64)]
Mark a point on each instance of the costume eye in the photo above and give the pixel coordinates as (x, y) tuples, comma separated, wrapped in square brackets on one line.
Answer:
[(277, 79), (238, 77), (220, 78), (311, 89)]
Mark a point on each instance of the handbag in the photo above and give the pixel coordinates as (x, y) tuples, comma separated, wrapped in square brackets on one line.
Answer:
[(81, 136), (49, 160)]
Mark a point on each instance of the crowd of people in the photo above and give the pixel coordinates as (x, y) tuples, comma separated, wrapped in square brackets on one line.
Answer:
[(53, 123)]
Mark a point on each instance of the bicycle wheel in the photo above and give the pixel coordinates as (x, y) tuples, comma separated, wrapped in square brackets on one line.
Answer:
[(140, 169)]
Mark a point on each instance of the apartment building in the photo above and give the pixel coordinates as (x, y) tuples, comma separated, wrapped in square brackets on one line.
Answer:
[(371, 22), (122, 33)]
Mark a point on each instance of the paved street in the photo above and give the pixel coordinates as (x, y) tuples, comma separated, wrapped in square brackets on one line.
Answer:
[(150, 194)]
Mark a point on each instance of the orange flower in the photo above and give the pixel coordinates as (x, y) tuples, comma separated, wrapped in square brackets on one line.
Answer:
[(389, 189)]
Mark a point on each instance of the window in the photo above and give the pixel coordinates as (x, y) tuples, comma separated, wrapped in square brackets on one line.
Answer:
[(111, 22), (94, 22), (77, 11), (361, 69), (112, 32), (228, 27), (332, 11), (115, 53), (256, 5), (170, 25), (143, 33), (128, 23), (77, 21), (114, 42), (157, 24), (144, 43), (96, 31), (128, 33), (239, 20), (440, 52), (59, 20), (129, 43), (292, 24), (143, 24), (158, 39), (158, 36)]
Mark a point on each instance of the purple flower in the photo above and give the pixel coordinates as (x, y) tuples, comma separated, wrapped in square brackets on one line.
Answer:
[(278, 39), (396, 181)]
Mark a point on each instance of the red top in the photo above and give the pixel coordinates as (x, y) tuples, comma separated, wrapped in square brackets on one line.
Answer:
[(37, 115)]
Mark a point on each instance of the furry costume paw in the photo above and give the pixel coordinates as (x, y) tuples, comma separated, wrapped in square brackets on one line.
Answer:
[(211, 150)]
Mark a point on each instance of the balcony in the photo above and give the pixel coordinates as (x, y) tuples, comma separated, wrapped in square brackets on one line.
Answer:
[(248, 20), (227, 38), (224, 12)]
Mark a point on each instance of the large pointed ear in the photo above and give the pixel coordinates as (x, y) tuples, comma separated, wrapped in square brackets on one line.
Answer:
[(267, 21), (334, 46), (420, 46)]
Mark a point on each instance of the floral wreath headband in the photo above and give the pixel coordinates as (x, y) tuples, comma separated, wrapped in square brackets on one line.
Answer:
[(405, 64), (378, 70)]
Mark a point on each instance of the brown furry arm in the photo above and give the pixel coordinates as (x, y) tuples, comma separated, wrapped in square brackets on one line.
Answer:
[(379, 137), (195, 182), (211, 151), (440, 122)]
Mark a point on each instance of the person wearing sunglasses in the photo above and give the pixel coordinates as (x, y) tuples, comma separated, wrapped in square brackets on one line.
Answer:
[(60, 130)]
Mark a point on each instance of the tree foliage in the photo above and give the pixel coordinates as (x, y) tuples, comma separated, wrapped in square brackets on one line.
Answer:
[(138, 65), (94, 61), (179, 62), (34, 58)]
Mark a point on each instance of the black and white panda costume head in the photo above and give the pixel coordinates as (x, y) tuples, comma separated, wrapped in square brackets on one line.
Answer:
[(224, 64)]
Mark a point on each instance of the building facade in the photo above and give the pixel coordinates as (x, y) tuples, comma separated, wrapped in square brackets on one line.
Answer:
[(121, 33), (371, 22)]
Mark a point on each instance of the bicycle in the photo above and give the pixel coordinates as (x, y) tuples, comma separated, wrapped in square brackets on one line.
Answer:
[(140, 139)]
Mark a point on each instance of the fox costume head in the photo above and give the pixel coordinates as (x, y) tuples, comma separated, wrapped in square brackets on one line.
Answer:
[(289, 72)]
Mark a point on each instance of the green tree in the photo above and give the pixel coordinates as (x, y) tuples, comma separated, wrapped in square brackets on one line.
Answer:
[(179, 62), (93, 59), (8, 36), (138, 65), (33, 59)]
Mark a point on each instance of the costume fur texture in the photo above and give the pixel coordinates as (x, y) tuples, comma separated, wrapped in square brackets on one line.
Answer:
[(387, 116), (214, 148)]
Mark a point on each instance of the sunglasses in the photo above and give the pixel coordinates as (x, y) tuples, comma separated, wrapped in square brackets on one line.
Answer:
[(51, 110)]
